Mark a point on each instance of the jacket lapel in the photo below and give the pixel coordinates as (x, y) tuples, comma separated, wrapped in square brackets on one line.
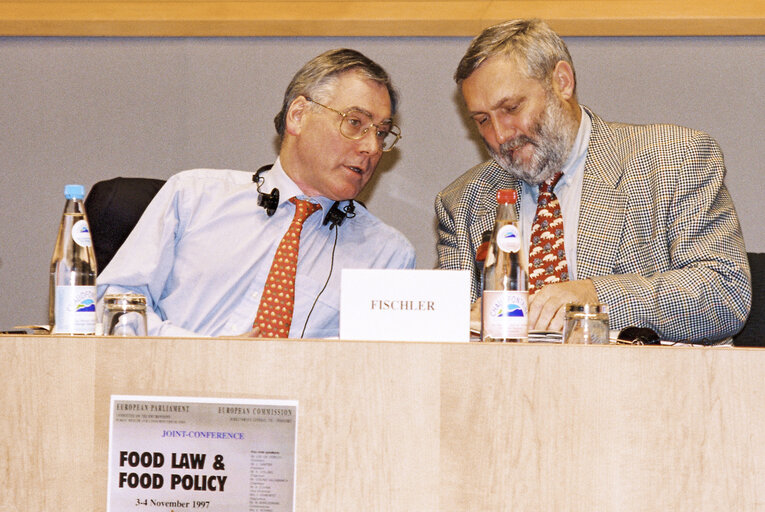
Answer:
[(602, 209)]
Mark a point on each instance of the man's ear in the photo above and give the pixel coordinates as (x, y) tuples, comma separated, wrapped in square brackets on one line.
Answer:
[(563, 80), (293, 123)]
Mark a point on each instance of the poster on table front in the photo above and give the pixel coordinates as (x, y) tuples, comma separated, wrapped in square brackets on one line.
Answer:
[(172, 454)]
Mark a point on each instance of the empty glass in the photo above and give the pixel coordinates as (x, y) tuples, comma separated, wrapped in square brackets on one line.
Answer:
[(125, 315), (586, 324)]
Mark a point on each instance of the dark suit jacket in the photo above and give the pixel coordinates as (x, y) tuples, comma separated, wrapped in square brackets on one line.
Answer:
[(658, 234)]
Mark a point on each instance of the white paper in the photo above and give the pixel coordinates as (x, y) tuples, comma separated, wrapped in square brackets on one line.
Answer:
[(182, 453), (405, 305)]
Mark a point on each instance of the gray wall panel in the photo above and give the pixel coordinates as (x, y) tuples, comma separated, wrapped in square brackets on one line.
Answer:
[(85, 109)]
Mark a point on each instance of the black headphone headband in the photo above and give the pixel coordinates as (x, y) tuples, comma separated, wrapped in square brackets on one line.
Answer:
[(268, 201)]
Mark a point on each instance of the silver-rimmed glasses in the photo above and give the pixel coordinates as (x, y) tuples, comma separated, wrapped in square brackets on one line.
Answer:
[(354, 124)]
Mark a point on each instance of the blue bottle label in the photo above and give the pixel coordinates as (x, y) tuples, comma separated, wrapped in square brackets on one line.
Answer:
[(75, 310), (505, 314)]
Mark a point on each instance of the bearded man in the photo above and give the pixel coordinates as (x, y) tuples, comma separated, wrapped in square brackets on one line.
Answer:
[(649, 227)]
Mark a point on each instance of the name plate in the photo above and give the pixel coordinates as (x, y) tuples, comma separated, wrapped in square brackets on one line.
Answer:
[(405, 305)]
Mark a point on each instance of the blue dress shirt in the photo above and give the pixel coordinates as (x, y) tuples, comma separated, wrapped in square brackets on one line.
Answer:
[(203, 248)]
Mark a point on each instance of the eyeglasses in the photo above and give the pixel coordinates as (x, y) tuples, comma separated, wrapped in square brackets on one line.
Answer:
[(355, 124)]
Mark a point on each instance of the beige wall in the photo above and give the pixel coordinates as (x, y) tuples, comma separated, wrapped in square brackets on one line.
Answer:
[(85, 109)]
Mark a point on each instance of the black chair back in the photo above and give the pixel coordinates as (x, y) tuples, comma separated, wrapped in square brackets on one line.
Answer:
[(753, 333), (113, 208)]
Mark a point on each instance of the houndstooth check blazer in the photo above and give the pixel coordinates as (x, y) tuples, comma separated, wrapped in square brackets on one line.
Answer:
[(658, 233)]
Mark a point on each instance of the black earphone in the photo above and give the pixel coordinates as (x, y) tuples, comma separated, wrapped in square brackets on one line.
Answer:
[(270, 201), (335, 216)]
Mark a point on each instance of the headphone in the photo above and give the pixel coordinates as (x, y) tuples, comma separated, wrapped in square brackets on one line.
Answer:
[(334, 217), (270, 201)]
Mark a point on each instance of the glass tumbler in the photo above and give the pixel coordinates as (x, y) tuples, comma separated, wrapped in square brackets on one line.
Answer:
[(124, 315), (586, 324)]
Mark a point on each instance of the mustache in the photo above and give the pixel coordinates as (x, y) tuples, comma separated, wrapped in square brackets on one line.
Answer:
[(509, 146)]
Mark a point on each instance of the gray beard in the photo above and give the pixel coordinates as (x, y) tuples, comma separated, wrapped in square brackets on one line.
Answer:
[(551, 146)]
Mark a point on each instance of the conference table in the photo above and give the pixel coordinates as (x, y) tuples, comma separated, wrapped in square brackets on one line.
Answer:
[(412, 426)]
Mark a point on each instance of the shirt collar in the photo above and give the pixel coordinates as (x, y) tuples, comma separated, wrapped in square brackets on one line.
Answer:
[(579, 149), (578, 153), (277, 178), (575, 161)]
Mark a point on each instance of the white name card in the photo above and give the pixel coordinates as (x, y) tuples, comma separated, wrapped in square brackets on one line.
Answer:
[(405, 305)]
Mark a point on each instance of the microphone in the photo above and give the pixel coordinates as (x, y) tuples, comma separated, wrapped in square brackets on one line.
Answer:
[(335, 216)]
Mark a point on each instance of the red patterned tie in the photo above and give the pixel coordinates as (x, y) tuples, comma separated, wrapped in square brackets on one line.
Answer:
[(547, 254), (278, 301)]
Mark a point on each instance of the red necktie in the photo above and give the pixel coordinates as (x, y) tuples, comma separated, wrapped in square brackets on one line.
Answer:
[(278, 301), (547, 254)]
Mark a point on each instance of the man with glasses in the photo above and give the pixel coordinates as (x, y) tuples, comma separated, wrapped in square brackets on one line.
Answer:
[(636, 217), (213, 243)]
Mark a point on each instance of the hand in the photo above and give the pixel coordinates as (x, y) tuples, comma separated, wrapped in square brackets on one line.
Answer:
[(254, 333), (547, 307)]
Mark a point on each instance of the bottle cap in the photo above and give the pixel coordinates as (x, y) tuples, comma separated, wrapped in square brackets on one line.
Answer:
[(74, 191), (507, 195)]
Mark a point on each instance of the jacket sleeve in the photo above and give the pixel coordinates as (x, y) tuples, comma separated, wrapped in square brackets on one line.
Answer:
[(454, 246)]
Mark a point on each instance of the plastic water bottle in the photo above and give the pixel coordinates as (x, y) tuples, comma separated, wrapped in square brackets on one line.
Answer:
[(72, 306), (504, 308)]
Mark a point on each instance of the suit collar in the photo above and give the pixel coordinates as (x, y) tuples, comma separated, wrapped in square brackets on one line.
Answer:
[(603, 204), (493, 177), (602, 161)]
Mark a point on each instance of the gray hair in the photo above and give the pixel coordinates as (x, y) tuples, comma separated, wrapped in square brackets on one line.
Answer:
[(528, 40), (319, 76)]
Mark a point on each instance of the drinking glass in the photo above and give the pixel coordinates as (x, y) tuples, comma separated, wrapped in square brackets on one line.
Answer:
[(125, 315), (586, 324)]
